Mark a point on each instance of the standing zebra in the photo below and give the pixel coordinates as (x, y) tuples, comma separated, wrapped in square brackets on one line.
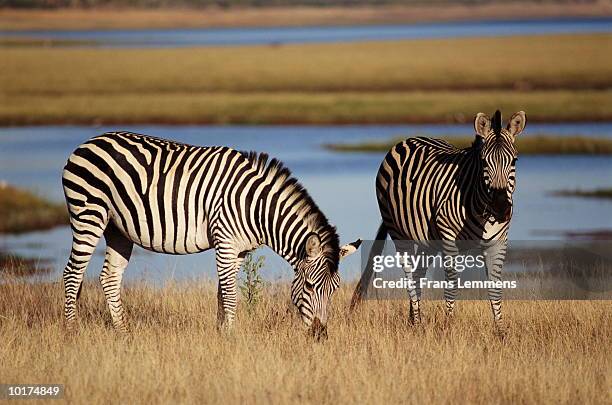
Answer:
[(174, 198), (428, 191)]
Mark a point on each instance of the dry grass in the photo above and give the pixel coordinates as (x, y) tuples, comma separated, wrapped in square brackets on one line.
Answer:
[(18, 266), (526, 145), (508, 63), (557, 352), (300, 108), (378, 82), (105, 18), (23, 211), (6, 42)]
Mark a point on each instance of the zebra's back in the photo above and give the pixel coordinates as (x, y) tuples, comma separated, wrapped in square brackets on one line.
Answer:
[(158, 193), (415, 180)]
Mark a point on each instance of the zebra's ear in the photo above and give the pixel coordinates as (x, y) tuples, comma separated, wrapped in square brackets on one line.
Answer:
[(482, 125), (517, 123), (349, 248), (313, 245)]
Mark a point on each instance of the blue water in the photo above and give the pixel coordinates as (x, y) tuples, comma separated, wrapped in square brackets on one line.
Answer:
[(341, 184), (320, 34)]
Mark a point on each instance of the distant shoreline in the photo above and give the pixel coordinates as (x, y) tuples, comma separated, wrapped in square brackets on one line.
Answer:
[(130, 18), (275, 120), (534, 144)]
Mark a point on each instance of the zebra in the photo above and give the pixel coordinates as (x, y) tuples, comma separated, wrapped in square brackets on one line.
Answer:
[(175, 198), (428, 191)]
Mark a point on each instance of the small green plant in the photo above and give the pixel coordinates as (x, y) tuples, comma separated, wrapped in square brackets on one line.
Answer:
[(252, 283)]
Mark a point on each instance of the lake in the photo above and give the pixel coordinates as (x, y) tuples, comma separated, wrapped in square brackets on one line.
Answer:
[(320, 34), (342, 184)]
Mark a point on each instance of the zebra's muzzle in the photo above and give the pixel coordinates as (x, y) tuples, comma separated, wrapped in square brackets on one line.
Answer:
[(318, 330), (501, 207)]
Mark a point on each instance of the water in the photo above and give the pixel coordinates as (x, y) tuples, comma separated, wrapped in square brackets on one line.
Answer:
[(320, 34), (341, 184)]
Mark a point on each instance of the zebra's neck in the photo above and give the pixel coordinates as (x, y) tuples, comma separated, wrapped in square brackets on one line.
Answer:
[(284, 215), (295, 222), (478, 197)]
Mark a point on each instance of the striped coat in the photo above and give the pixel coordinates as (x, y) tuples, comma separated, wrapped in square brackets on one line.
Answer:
[(174, 198), (432, 193)]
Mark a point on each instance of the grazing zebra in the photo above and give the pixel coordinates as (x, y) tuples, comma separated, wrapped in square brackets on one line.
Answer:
[(174, 198), (428, 191)]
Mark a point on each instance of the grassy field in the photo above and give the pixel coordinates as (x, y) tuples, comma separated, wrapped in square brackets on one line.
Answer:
[(377, 82), (23, 211), (528, 145), (556, 352), (6, 42), (299, 108), (12, 265), (109, 18)]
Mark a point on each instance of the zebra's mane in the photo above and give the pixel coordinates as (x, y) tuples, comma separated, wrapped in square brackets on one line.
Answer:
[(447, 147), (309, 210)]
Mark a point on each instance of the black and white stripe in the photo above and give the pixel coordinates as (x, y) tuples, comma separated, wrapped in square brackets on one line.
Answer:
[(428, 191), (174, 198)]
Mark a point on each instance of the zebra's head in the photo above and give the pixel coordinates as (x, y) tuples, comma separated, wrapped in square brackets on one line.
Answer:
[(317, 278), (498, 156)]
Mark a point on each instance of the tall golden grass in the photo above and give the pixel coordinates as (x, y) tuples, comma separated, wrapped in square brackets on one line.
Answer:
[(553, 78), (556, 352), (561, 61)]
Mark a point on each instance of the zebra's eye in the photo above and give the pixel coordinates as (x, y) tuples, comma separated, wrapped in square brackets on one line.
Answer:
[(308, 284)]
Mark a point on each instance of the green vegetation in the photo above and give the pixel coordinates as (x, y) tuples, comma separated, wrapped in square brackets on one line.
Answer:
[(605, 193), (252, 283), (23, 211), (526, 145), (378, 82)]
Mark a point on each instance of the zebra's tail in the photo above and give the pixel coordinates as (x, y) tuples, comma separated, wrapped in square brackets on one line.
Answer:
[(366, 275)]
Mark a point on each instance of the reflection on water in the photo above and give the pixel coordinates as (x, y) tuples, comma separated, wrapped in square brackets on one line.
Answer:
[(341, 184), (319, 34)]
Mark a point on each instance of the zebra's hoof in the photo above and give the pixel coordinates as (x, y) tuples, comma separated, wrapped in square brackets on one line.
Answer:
[(123, 331), (448, 319), (501, 331), (71, 328), (225, 328), (318, 331), (415, 321)]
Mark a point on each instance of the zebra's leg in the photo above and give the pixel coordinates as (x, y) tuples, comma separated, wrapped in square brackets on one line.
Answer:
[(415, 305), (87, 230), (450, 293), (494, 261), (228, 264), (414, 291), (451, 277), (118, 252)]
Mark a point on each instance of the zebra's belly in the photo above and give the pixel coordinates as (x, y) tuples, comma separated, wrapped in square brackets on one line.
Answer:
[(493, 231), (163, 237)]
